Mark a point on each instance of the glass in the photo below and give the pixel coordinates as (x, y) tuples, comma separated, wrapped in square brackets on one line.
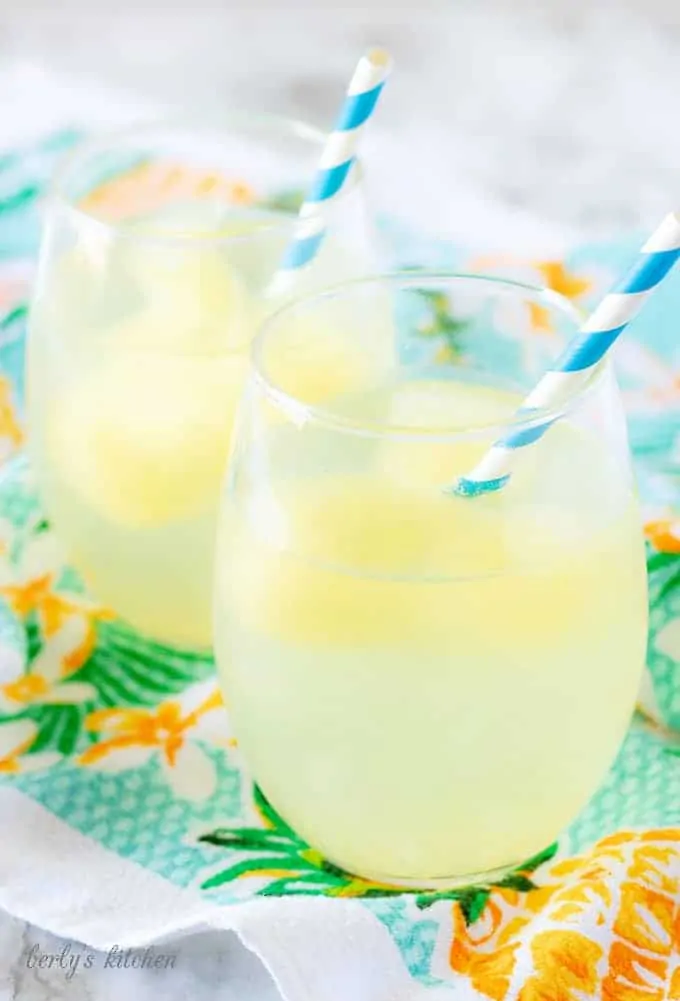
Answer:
[(157, 251), (427, 687)]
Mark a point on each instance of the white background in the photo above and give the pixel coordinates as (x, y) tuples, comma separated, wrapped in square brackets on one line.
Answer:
[(506, 121)]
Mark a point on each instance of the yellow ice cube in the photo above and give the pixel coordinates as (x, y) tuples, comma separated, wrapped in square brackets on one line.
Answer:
[(146, 440), (444, 410), (358, 561), (195, 300), (355, 561), (325, 353)]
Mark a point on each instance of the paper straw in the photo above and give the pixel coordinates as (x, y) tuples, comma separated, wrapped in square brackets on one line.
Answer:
[(594, 339), (334, 166)]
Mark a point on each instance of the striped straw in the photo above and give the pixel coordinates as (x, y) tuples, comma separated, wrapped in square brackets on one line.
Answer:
[(334, 166), (594, 339)]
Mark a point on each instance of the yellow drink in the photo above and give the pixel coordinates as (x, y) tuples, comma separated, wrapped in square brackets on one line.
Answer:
[(429, 687), (133, 385)]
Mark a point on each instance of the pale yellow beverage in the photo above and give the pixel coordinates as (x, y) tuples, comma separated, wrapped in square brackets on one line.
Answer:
[(134, 379), (429, 687)]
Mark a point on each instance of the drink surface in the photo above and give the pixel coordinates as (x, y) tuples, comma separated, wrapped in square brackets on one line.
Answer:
[(136, 366), (427, 686)]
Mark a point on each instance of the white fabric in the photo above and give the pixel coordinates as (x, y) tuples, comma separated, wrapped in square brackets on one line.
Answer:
[(315, 949)]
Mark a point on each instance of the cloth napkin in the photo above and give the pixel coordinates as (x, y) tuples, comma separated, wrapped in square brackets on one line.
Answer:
[(128, 817)]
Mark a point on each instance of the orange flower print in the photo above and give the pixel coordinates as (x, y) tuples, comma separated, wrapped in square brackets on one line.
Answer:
[(532, 322), (30, 585), (149, 186), (551, 274), (664, 534), (539, 317), (48, 681), (172, 733), (556, 277), (16, 738)]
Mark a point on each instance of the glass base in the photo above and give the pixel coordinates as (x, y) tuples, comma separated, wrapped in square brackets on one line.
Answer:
[(435, 883)]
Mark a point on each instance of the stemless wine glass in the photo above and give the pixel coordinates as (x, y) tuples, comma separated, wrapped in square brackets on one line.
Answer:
[(427, 687), (157, 254)]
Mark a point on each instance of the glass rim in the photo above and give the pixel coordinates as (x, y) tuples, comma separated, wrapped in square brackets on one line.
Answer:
[(301, 412), (234, 119)]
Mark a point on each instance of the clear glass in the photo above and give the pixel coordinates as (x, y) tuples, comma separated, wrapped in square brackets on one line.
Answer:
[(427, 687), (158, 248)]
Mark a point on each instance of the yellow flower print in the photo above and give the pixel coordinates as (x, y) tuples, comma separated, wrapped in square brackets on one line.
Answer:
[(12, 654), (529, 323), (552, 274), (539, 318), (30, 586), (664, 534), (445, 355), (172, 733), (148, 187), (557, 277), (16, 738), (11, 433), (48, 680), (240, 193), (7, 532)]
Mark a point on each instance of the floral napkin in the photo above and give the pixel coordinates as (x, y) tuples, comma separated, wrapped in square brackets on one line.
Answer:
[(127, 815)]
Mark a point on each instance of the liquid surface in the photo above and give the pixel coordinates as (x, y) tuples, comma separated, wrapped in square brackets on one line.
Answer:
[(427, 686)]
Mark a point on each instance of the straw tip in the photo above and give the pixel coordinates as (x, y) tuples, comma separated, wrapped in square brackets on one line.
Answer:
[(380, 58), (475, 488)]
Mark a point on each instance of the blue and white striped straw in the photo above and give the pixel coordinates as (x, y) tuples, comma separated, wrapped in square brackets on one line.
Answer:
[(594, 339), (334, 167)]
